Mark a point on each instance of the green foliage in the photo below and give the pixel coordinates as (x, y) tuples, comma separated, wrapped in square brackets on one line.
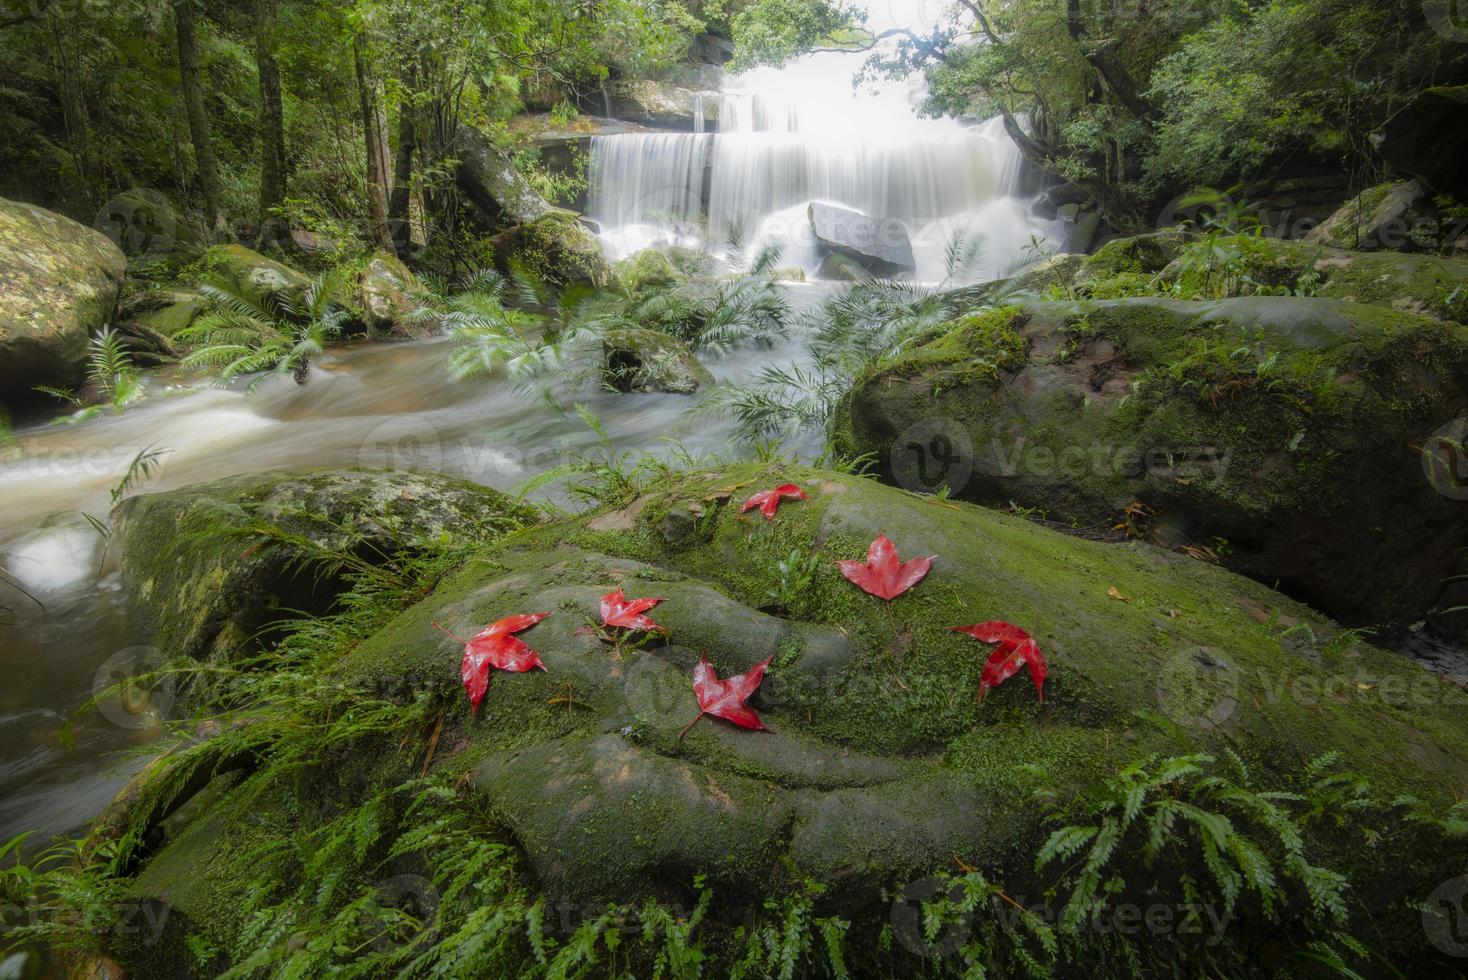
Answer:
[(847, 334), (775, 31), (797, 573), (244, 333)]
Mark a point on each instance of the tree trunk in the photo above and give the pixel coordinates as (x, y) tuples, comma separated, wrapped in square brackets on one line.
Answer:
[(402, 188), (193, 96), (272, 123), (379, 169)]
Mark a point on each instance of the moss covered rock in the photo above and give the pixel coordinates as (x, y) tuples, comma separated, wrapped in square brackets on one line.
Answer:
[(1285, 435), (882, 766), (557, 248), (1392, 216), (59, 281), (646, 360), (244, 270), (383, 293), (205, 583), (487, 177)]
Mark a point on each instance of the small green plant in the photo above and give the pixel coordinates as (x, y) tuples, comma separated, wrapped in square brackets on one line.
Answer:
[(275, 333), (797, 573)]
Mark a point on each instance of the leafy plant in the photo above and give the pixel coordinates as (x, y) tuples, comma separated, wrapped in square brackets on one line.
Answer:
[(1223, 841), (797, 573), (244, 333)]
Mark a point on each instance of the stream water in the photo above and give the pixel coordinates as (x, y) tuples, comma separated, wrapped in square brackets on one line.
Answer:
[(785, 138)]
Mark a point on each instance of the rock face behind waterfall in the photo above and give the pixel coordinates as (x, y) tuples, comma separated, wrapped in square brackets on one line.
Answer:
[(59, 281), (1285, 434), (879, 244), (882, 766)]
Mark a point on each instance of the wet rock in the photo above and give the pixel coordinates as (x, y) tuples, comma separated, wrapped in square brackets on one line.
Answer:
[(881, 767), (384, 294), (557, 248), (880, 245), (59, 282), (246, 271), (646, 360)]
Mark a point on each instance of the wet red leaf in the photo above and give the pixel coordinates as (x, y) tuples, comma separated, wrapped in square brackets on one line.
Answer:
[(1015, 648), (883, 575), (725, 698), (618, 610), (496, 647), (768, 501)]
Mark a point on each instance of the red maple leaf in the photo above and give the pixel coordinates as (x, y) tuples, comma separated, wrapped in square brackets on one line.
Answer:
[(1015, 647), (496, 647), (768, 501), (725, 698), (618, 610), (883, 575)]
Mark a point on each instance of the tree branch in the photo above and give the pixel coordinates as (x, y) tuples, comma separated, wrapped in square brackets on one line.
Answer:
[(1107, 65)]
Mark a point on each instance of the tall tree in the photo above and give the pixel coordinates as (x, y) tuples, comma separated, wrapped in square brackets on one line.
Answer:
[(272, 120), (193, 96), (374, 131)]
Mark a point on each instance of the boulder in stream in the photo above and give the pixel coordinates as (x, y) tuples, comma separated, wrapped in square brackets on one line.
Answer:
[(882, 767), (59, 281), (556, 248), (880, 245), (648, 360)]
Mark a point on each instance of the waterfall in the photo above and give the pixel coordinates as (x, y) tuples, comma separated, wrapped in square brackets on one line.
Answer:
[(787, 137)]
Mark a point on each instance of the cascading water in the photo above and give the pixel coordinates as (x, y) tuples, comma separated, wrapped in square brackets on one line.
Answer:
[(790, 136)]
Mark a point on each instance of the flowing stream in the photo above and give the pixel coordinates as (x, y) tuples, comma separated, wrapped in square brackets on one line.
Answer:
[(785, 138)]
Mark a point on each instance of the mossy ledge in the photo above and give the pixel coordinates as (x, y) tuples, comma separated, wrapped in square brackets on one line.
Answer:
[(1259, 427)]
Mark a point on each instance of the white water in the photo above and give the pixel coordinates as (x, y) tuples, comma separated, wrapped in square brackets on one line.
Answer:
[(790, 136)]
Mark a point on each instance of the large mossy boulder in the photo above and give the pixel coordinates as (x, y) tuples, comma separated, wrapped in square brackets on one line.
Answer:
[(59, 281), (647, 360), (661, 104), (209, 569), (1283, 434), (384, 293), (882, 767), (1394, 217), (556, 248), (487, 177)]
